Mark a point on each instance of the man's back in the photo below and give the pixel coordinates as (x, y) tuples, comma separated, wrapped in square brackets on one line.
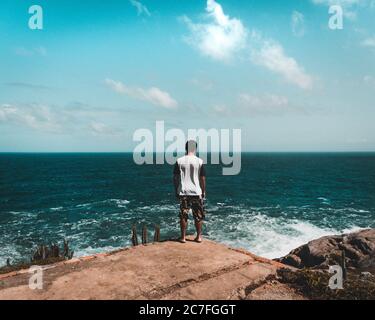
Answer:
[(189, 168), (189, 179)]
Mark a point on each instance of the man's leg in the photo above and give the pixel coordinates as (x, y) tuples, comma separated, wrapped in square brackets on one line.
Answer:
[(198, 227), (184, 209), (199, 214), (183, 225)]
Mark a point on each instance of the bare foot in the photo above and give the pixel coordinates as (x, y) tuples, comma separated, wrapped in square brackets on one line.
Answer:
[(198, 239)]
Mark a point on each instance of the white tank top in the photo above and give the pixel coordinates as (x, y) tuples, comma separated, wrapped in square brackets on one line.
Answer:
[(189, 167)]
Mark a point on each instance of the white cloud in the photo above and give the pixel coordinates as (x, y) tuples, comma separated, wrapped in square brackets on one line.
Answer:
[(141, 8), (357, 140), (259, 105), (298, 24), (41, 51), (223, 37), (38, 117), (26, 85), (369, 42), (60, 120), (100, 129), (37, 51), (203, 84), (369, 81), (270, 100), (153, 95), (271, 55), (266, 104), (219, 38)]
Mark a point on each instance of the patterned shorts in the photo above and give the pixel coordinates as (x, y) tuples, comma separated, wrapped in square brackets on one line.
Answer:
[(195, 203)]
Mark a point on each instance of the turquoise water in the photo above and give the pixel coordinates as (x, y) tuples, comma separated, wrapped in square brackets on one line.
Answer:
[(278, 202)]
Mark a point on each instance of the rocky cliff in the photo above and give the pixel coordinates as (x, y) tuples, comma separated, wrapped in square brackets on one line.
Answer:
[(357, 249)]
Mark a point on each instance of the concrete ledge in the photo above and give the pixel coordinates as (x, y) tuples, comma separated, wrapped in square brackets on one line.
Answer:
[(165, 270)]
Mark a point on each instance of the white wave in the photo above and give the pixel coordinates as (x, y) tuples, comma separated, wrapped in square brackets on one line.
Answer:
[(57, 209), (270, 237), (84, 223), (256, 229), (358, 210), (83, 205), (9, 251), (353, 229), (159, 208), (345, 210), (323, 199), (120, 202)]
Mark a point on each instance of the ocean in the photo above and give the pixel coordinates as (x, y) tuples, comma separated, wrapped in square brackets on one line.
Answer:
[(278, 202)]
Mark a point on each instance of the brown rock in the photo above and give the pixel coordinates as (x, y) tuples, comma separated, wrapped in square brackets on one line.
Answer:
[(293, 260), (359, 248)]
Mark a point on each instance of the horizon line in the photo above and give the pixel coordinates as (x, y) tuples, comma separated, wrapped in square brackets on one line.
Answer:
[(129, 152)]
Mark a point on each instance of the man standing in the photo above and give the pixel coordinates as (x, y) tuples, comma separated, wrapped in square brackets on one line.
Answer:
[(189, 179)]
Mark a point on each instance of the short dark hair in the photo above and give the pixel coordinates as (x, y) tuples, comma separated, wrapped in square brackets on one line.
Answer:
[(191, 146)]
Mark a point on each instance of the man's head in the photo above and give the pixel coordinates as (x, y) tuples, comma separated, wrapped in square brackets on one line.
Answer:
[(191, 146)]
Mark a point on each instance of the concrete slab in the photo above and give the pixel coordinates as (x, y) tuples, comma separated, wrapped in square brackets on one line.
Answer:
[(166, 270)]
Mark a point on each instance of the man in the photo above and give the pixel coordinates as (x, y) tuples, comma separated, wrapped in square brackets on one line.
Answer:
[(189, 179)]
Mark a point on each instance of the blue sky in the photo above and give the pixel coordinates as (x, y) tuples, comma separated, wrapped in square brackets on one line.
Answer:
[(101, 69)]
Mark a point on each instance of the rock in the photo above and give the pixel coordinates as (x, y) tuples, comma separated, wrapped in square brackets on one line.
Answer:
[(359, 248), (293, 260), (366, 275), (368, 262), (350, 252), (274, 290)]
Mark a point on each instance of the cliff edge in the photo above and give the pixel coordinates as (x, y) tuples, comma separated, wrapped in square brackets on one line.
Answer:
[(163, 270)]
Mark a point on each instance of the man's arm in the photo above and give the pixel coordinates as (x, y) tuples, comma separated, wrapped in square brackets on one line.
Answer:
[(202, 183), (176, 178), (176, 182), (202, 180)]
